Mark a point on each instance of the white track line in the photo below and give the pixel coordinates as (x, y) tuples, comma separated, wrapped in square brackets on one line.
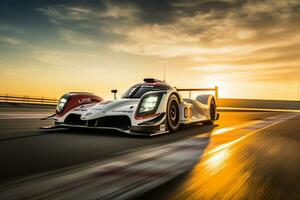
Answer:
[(257, 126)]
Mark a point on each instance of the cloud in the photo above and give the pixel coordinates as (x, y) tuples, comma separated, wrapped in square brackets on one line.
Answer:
[(86, 25), (118, 11), (10, 40), (228, 36), (75, 38), (66, 13), (88, 13), (61, 59)]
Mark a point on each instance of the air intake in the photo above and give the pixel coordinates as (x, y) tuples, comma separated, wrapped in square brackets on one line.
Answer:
[(151, 80)]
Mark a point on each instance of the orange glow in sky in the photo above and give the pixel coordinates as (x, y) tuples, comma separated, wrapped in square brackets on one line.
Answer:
[(249, 49)]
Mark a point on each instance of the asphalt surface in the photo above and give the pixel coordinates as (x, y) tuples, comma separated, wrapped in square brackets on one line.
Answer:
[(265, 164)]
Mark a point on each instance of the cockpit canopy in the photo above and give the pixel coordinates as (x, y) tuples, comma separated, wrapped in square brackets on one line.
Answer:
[(138, 90)]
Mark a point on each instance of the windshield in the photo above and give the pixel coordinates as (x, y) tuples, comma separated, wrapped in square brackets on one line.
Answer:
[(138, 91)]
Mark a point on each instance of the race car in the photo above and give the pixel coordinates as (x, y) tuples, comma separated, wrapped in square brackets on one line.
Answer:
[(149, 108)]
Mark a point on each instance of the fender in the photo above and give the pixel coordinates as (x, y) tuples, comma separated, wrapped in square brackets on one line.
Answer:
[(75, 99)]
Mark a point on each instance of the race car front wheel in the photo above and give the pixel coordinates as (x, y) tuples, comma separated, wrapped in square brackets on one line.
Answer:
[(173, 113)]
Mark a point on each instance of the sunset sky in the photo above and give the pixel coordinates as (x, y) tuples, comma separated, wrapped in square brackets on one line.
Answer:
[(250, 49)]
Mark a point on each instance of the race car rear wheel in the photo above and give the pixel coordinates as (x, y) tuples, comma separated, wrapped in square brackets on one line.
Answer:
[(173, 113), (212, 112)]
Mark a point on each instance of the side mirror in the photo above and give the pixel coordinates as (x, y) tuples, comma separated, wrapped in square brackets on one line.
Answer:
[(115, 93)]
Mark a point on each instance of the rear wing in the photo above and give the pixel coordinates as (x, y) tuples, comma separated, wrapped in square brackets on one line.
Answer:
[(190, 90)]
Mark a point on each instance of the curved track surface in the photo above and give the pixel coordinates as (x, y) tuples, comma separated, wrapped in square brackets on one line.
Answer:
[(263, 164)]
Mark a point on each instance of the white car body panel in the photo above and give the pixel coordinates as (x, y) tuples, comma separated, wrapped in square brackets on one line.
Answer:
[(190, 111)]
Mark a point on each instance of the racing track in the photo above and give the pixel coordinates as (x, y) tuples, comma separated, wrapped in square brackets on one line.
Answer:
[(262, 165)]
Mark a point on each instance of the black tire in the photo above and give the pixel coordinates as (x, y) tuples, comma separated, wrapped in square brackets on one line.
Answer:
[(212, 112), (173, 113)]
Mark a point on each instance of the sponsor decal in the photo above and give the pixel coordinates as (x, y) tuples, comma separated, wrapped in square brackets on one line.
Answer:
[(82, 110), (123, 111), (186, 112), (97, 109), (85, 100), (147, 86), (162, 127)]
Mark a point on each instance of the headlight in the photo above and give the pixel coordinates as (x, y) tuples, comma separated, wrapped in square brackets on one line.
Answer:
[(61, 103), (148, 104)]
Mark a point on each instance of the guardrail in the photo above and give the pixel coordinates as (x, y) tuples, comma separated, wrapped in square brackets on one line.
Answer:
[(6, 98)]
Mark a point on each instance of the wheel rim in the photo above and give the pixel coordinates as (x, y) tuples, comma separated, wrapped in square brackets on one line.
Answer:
[(173, 113)]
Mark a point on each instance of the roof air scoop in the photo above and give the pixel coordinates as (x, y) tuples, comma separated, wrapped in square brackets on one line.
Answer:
[(151, 80)]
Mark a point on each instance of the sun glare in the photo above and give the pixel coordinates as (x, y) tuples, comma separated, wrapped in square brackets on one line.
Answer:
[(222, 82)]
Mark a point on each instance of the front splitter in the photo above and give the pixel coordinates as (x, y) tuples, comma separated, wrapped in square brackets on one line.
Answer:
[(59, 126)]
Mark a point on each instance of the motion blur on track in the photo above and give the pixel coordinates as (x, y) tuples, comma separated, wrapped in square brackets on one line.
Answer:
[(246, 150)]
